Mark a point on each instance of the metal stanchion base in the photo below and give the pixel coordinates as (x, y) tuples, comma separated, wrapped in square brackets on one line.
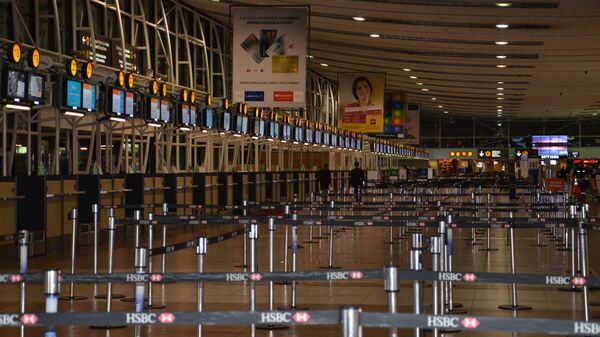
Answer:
[(572, 288), (391, 243), (456, 311), (330, 267), (114, 296), (107, 327), (241, 266), (563, 249), (514, 307), (298, 246), (539, 245), (293, 308), (311, 241), (131, 299), (155, 306), (272, 327), (282, 283), (74, 298)]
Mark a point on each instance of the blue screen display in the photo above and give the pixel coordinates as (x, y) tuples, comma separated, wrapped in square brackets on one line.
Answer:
[(73, 94)]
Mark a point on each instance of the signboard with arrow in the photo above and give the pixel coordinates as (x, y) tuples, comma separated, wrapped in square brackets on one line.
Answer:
[(492, 153)]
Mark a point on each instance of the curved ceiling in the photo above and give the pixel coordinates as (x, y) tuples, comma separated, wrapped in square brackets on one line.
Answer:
[(450, 48)]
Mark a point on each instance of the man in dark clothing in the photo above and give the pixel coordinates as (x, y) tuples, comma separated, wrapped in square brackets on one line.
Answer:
[(357, 178), (324, 179)]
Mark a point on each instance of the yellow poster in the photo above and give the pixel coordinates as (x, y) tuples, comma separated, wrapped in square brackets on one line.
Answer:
[(361, 97)]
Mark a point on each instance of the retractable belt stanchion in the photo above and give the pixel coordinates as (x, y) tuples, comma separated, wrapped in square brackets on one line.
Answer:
[(245, 242), (253, 237), (23, 250), (488, 247), (330, 247), (514, 305), (416, 263), (111, 247), (163, 267), (286, 211), (201, 250), (583, 251), (473, 237), (151, 304), (572, 245), (140, 268), (112, 227), (51, 290), (72, 296), (391, 288), (435, 258), (137, 216), (349, 321), (293, 305), (95, 220), (451, 307)]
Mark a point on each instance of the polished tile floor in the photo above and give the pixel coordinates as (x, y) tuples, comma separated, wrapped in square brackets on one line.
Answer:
[(362, 248)]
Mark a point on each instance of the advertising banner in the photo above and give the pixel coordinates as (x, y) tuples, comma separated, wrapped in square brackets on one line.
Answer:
[(361, 101), (394, 114), (412, 124), (269, 55)]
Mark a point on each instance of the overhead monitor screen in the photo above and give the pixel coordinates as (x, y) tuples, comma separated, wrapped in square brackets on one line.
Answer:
[(551, 147), (244, 124), (89, 97), (154, 109), (185, 114), (298, 134), (193, 116), (209, 118), (73, 94), (15, 85), (238, 123), (287, 132), (308, 133), (129, 111), (334, 140), (274, 130), (118, 102), (226, 121), (165, 111), (326, 138), (35, 88)]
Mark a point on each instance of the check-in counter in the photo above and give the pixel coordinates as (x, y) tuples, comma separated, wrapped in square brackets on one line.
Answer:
[(8, 206)]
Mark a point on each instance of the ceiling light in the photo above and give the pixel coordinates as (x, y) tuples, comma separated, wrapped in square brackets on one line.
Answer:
[(503, 4), (406, 69), (440, 106), (594, 114), (499, 88), (204, 131), (419, 83), (502, 26), (499, 110), (445, 112), (413, 77), (17, 107), (501, 66), (425, 89), (311, 57), (118, 119), (433, 98), (358, 18), (501, 43), (185, 128), (74, 113), (375, 35), (154, 125), (325, 64), (237, 135), (500, 56), (500, 94), (499, 106), (500, 82), (500, 98)]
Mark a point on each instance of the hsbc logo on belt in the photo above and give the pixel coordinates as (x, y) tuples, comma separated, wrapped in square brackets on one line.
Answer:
[(140, 318), (344, 275), (442, 322), (565, 280), (275, 317), (137, 277), (29, 319), (578, 281), (156, 277), (586, 328), (470, 323), (450, 276), (166, 318), (11, 278), (7, 320), (301, 317)]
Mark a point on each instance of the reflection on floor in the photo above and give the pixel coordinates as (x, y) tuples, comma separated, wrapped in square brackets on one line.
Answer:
[(360, 248)]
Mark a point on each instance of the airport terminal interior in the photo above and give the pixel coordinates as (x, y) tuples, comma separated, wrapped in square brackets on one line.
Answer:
[(290, 168)]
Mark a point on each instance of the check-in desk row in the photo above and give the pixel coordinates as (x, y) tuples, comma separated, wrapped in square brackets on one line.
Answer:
[(41, 204)]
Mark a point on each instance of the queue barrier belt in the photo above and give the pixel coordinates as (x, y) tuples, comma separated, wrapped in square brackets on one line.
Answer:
[(299, 318), (316, 275)]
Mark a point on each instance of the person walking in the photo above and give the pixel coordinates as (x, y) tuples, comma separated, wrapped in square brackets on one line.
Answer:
[(357, 179), (324, 179)]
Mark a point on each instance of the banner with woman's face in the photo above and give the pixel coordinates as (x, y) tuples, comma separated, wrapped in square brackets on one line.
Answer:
[(361, 102)]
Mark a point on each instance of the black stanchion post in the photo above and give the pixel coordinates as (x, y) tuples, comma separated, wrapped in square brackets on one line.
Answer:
[(245, 243), (271, 283), (451, 307), (72, 296), (473, 238), (391, 287), (286, 211), (163, 267), (293, 305), (151, 304), (51, 290), (201, 250), (137, 216), (488, 247), (349, 321), (514, 303), (96, 224), (23, 252)]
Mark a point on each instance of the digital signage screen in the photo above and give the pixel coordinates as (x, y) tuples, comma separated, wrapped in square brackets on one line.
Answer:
[(118, 101), (299, 134), (129, 110), (226, 121), (551, 146), (238, 124), (15, 85), (209, 118), (244, 124), (287, 132), (274, 130), (185, 114), (165, 111), (154, 109), (193, 116), (35, 88), (318, 137), (308, 135), (326, 138), (89, 97), (73, 94)]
